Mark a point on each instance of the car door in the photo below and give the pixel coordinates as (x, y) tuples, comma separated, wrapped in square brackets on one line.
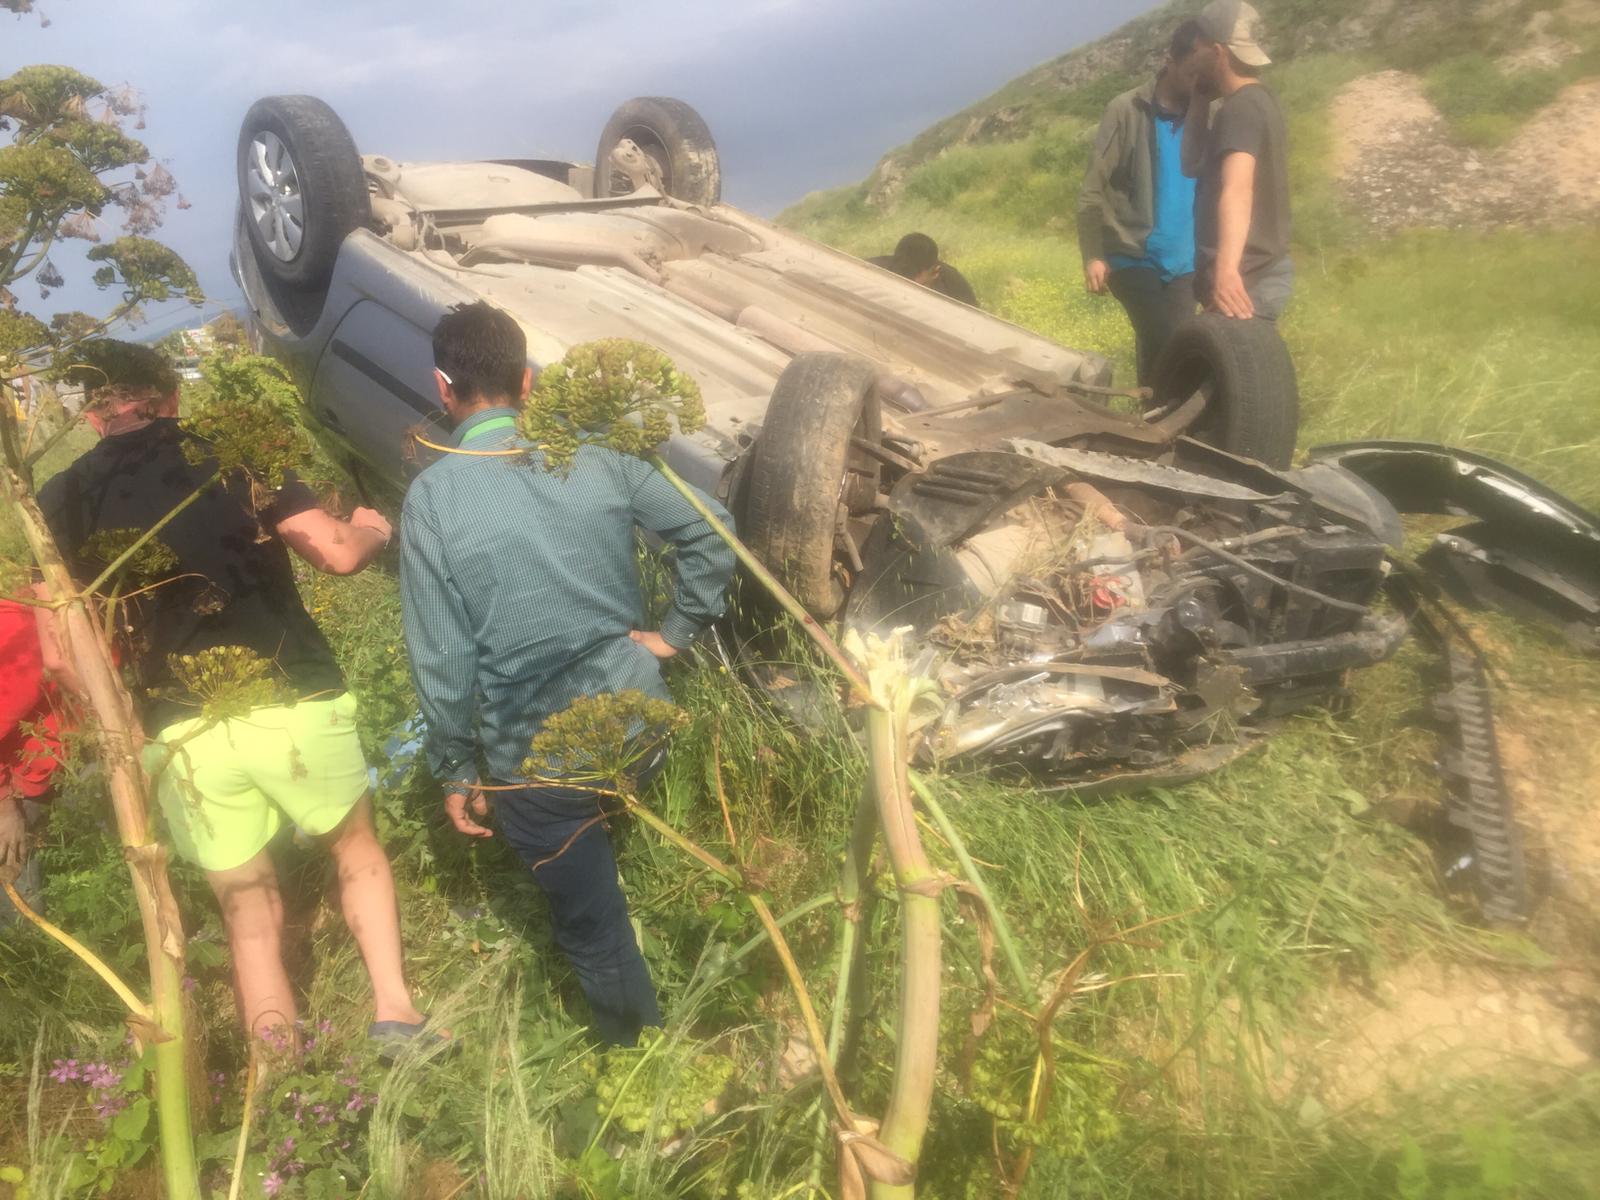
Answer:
[(374, 389)]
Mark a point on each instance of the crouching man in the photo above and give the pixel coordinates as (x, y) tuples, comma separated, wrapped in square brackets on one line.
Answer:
[(521, 594), (227, 788)]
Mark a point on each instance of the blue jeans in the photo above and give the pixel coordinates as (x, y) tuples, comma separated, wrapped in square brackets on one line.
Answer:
[(556, 832)]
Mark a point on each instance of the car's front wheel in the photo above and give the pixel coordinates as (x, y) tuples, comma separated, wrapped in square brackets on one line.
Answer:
[(1253, 402), (301, 187), (810, 475)]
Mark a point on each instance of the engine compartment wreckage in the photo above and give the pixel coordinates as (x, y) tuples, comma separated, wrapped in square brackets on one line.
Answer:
[(1100, 619)]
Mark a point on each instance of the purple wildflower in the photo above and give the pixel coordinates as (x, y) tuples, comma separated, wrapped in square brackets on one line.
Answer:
[(65, 1072), (101, 1075), (189, 983), (324, 1027), (272, 1184)]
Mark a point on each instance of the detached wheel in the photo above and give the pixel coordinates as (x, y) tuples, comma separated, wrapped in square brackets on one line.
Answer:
[(301, 187), (660, 137), (807, 477), (1254, 407)]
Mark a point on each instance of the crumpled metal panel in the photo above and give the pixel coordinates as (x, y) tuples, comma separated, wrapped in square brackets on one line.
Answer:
[(1530, 551), (1135, 472)]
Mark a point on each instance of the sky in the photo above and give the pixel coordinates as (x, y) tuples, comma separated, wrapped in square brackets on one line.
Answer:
[(799, 94)]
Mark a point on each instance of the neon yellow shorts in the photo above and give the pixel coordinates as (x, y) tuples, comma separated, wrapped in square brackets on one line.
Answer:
[(225, 790)]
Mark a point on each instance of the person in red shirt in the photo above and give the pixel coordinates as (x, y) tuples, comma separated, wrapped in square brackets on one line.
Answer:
[(31, 729)]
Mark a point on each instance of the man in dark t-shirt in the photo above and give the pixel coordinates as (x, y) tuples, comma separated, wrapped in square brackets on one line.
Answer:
[(1240, 158), (916, 257), (225, 581), (232, 585)]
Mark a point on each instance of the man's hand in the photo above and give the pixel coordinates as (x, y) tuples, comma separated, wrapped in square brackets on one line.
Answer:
[(456, 806), (655, 643), (371, 518), (1228, 295), (1095, 274), (13, 838)]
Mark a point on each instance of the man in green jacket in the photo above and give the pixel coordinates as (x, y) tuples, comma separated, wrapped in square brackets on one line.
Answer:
[(520, 593), (1136, 210)]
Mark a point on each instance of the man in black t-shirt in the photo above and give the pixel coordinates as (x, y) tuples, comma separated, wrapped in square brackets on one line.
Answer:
[(916, 257), (1239, 153), (227, 788)]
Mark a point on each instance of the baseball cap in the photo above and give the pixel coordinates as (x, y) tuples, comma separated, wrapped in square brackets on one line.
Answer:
[(1234, 24)]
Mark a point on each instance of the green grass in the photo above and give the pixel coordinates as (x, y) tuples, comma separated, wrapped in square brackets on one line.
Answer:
[(1485, 104), (1272, 882), (1275, 881)]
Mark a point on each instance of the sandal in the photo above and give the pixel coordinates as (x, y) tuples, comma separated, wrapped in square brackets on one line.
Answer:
[(394, 1037)]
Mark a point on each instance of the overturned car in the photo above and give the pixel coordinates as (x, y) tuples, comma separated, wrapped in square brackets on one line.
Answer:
[(1112, 585)]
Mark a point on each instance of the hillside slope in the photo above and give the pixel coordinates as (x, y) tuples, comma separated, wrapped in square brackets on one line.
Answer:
[(1487, 62), (1445, 163)]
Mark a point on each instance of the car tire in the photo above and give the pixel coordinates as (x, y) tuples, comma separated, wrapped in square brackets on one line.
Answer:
[(302, 189), (1254, 407), (804, 469), (675, 137)]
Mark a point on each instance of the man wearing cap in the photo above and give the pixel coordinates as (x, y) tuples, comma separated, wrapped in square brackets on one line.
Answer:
[(1136, 210), (1239, 158)]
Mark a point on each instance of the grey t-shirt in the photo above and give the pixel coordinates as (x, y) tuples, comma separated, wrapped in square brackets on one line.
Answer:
[(1250, 121)]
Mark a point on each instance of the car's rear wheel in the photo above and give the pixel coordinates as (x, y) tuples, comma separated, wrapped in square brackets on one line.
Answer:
[(301, 187), (809, 474), (674, 141), (1253, 406)]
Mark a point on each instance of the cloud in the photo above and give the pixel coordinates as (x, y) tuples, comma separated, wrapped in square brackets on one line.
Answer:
[(343, 49)]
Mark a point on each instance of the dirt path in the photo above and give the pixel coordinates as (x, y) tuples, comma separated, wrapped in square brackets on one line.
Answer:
[(1397, 165), (1429, 1024)]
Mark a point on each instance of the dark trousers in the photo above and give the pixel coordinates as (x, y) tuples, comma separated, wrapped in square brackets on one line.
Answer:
[(1268, 287), (1154, 308), (30, 883), (556, 832)]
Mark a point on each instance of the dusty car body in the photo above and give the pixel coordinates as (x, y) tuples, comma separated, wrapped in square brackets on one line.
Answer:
[(1106, 596)]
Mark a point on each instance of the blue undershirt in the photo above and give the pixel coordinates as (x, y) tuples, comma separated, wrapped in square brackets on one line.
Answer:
[(1169, 250)]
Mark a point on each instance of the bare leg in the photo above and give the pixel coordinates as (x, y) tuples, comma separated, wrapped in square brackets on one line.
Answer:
[(366, 893), (252, 909)]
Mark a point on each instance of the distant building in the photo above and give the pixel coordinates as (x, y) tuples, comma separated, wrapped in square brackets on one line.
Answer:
[(188, 347)]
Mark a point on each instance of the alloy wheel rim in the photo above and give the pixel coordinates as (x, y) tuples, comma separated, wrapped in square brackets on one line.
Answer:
[(272, 187)]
